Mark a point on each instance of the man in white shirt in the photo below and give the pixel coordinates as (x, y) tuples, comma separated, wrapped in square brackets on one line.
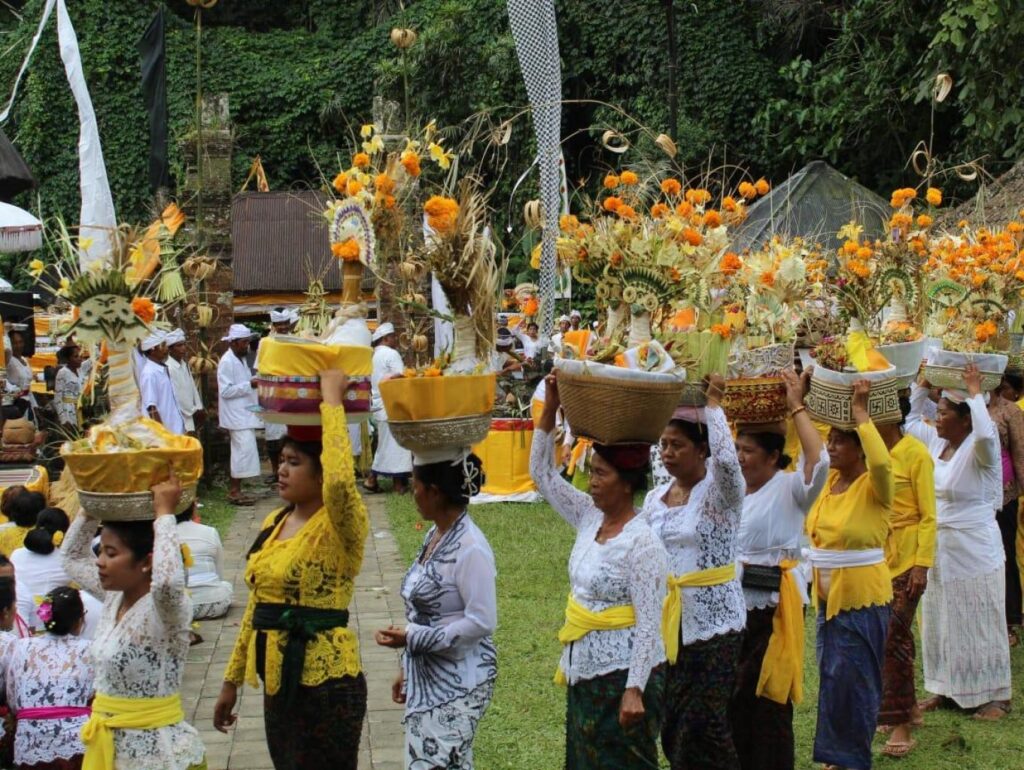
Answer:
[(391, 459), (557, 337), (529, 339), (236, 392), (575, 318), (185, 391), (158, 400)]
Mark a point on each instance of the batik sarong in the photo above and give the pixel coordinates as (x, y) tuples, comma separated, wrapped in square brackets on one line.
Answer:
[(443, 736), (898, 691)]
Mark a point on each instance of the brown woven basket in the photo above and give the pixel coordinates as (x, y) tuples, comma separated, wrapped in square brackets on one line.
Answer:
[(613, 411), (755, 400)]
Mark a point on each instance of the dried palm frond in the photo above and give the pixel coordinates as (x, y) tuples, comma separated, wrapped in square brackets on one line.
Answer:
[(463, 261)]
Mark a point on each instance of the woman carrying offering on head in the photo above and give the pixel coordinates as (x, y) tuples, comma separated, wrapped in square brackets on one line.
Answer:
[(138, 654), (449, 663), (770, 674), (848, 527), (697, 516), (301, 572), (612, 656), (963, 612)]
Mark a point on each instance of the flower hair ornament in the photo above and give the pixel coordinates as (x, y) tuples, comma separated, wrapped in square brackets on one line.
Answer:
[(45, 611), (471, 476), (57, 538), (186, 556)]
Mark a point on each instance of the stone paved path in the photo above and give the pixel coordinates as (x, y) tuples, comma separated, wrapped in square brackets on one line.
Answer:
[(376, 604)]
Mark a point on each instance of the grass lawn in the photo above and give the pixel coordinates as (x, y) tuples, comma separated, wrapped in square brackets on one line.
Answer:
[(524, 727), (217, 512)]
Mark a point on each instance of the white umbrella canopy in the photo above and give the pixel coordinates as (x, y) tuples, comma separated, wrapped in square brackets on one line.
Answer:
[(19, 230)]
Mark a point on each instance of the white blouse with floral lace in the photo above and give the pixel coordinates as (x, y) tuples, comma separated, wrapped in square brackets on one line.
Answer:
[(142, 655), (45, 672), (702, 534), (630, 568)]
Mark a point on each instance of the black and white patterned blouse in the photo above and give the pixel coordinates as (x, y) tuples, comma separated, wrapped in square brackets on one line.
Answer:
[(451, 609)]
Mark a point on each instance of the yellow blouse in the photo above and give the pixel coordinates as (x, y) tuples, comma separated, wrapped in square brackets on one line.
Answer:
[(857, 519), (316, 567), (12, 538), (912, 540)]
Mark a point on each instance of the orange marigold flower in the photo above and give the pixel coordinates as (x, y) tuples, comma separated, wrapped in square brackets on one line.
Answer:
[(934, 196), (383, 183), (629, 178), (684, 209), (850, 247), (441, 213), (611, 181), (730, 263), (611, 203), (361, 160), (762, 186), (692, 237), (722, 330), (864, 252), (1015, 227), (712, 219), (978, 279), (698, 196), (567, 223), (411, 163), (625, 211), (768, 278), (144, 308), (615, 259), (346, 251), (985, 331), (924, 221), (901, 221), (354, 187), (340, 183), (747, 190), (660, 211), (432, 371), (671, 186), (729, 203)]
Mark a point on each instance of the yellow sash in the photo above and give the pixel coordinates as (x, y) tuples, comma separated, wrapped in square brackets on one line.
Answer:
[(782, 670), (579, 621), (111, 713), (672, 609)]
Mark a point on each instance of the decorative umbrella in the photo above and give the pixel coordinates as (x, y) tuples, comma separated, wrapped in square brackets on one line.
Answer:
[(19, 230), (15, 176)]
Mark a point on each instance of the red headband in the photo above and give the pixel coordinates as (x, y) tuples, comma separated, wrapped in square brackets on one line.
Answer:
[(627, 457), (306, 433)]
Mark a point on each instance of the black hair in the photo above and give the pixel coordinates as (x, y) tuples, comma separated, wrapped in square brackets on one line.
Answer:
[(186, 514), (1015, 380), (311, 449), (25, 508), (7, 595), (697, 432), (532, 323), (64, 354), (853, 435), (7, 498), (451, 480), (40, 538), (904, 407), (66, 609), (137, 536), (770, 442)]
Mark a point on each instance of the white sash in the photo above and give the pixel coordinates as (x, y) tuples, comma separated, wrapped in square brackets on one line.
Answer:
[(822, 558)]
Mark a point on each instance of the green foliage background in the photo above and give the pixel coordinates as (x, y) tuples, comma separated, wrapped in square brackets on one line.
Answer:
[(768, 84)]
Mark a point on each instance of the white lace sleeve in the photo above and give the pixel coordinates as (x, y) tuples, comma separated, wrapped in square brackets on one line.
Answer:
[(474, 576), (647, 590), (168, 586), (77, 557), (729, 484), (570, 503), (916, 425)]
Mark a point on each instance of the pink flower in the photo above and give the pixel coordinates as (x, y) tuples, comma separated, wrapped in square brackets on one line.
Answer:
[(45, 612)]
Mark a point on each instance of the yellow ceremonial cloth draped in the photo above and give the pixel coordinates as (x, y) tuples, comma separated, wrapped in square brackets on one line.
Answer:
[(579, 621), (580, 341), (111, 713), (296, 359), (505, 453), (863, 354), (782, 670), (438, 398), (672, 609)]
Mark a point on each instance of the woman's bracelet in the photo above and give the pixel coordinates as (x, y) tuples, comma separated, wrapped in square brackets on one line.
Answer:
[(793, 413)]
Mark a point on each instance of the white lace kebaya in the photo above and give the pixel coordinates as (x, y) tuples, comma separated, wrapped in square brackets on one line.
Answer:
[(142, 655), (773, 522), (48, 672), (630, 568), (702, 533)]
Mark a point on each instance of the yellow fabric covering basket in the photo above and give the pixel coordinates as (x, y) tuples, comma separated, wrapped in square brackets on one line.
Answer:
[(295, 357), (438, 398)]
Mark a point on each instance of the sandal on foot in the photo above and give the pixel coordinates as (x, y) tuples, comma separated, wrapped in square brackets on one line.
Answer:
[(992, 712), (899, 749), (241, 500), (933, 703), (372, 489), (883, 729)]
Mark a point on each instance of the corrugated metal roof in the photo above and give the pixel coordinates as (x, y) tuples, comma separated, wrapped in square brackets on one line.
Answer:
[(279, 240)]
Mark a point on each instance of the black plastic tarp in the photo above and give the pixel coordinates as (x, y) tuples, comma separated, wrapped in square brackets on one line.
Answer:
[(15, 176)]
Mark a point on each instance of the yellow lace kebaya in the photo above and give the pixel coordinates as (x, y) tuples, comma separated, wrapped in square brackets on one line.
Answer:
[(315, 568)]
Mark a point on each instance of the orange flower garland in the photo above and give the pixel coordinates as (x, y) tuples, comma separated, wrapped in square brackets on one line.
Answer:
[(144, 309)]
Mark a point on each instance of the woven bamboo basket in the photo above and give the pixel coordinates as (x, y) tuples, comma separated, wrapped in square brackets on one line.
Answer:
[(755, 400), (425, 435), (952, 378), (831, 402), (616, 411), (127, 506)]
